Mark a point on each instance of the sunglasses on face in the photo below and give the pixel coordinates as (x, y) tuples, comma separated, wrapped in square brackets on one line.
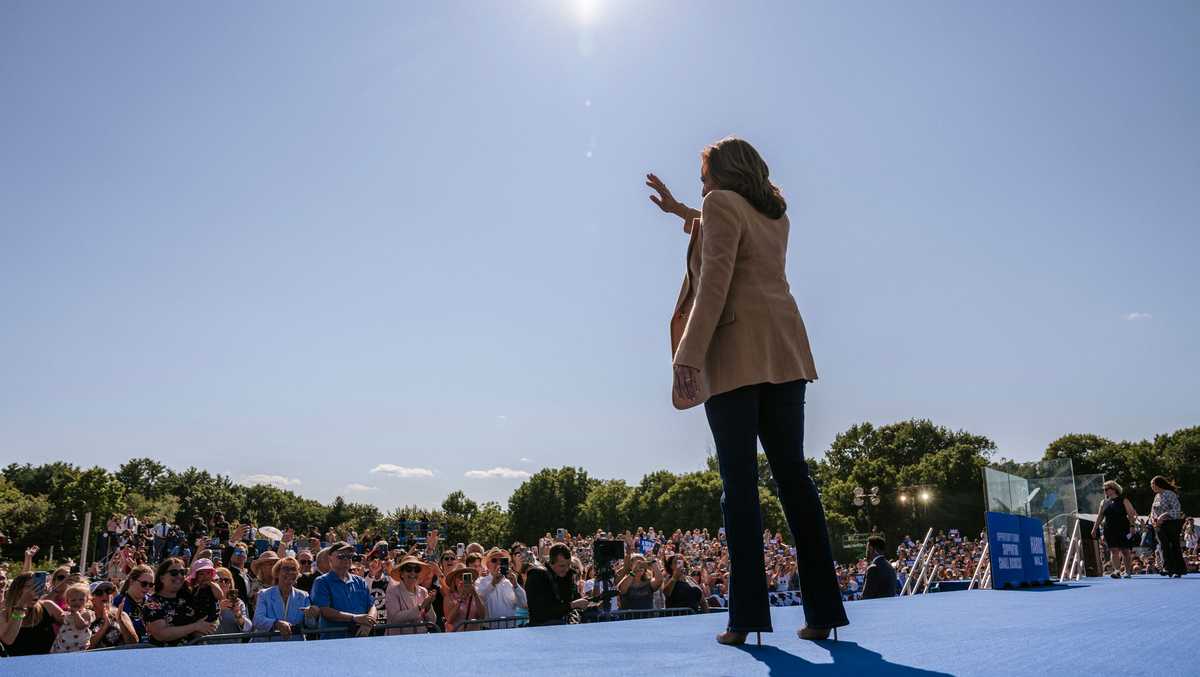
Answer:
[(139, 581), (228, 581), (344, 556), (60, 577), (176, 572), (411, 569)]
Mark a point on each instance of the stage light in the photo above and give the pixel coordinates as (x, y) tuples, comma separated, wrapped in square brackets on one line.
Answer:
[(903, 498), (924, 496)]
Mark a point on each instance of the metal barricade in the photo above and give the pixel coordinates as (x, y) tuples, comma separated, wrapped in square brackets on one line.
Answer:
[(637, 614), (124, 647), (239, 637), (498, 623)]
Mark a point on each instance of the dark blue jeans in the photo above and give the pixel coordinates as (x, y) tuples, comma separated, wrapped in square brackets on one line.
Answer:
[(774, 414)]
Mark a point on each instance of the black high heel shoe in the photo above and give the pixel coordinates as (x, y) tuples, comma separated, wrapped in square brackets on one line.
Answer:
[(816, 633), (731, 638)]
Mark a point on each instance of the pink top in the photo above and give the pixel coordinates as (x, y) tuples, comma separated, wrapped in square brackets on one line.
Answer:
[(405, 607)]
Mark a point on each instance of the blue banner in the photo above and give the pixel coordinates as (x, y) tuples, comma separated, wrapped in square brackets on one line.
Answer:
[(1037, 569), (1017, 549), (1007, 555)]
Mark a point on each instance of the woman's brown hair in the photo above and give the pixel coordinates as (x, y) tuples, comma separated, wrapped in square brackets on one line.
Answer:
[(733, 164), (1163, 483), (163, 567), (1114, 486), (136, 572)]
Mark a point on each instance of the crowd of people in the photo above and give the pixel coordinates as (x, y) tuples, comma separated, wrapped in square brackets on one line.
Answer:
[(160, 584)]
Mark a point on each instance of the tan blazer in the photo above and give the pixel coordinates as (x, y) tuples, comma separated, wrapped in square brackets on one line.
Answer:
[(735, 319)]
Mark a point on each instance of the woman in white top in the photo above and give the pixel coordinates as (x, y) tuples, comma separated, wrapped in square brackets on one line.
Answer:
[(1167, 517)]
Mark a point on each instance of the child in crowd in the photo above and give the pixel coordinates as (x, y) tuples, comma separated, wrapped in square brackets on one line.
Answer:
[(76, 630)]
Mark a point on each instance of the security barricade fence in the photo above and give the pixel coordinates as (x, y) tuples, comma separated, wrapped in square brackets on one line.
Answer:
[(635, 614), (499, 623), (238, 637)]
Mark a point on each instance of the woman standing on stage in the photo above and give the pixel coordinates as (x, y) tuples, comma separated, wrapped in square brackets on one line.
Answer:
[(740, 348), (1166, 515), (1117, 516)]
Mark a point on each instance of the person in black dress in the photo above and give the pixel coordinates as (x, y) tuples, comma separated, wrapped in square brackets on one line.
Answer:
[(1117, 517)]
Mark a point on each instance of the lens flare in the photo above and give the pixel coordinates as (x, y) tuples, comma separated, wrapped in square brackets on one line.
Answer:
[(586, 10)]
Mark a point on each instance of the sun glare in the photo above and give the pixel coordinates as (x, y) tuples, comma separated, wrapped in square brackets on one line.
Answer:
[(586, 10)]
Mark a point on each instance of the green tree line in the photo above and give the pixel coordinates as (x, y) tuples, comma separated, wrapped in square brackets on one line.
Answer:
[(45, 504)]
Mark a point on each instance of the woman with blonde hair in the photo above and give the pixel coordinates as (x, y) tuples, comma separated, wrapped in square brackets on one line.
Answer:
[(284, 607), (740, 348), (27, 623), (233, 614), (1117, 517)]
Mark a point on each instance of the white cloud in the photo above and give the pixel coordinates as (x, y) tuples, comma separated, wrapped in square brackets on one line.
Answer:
[(355, 486), (401, 471), (503, 473), (273, 480), (526, 459), (1133, 317)]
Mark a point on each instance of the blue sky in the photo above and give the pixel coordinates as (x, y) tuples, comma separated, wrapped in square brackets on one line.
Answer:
[(372, 249)]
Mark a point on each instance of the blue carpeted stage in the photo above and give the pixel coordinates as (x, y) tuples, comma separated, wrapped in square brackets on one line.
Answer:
[(1128, 627)]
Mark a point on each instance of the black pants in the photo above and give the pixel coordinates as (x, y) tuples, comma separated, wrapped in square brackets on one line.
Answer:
[(1172, 551), (774, 414)]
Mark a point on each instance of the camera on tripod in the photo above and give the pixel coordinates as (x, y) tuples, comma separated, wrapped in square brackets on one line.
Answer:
[(604, 553)]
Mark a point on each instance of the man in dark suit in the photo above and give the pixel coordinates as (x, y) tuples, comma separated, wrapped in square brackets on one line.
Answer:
[(881, 577)]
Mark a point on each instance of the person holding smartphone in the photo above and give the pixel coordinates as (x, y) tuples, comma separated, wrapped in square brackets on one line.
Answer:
[(499, 589), (462, 603), (639, 584), (740, 348), (27, 622), (681, 590)]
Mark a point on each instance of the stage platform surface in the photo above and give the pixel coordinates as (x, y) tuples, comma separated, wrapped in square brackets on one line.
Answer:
[(1097, 626)]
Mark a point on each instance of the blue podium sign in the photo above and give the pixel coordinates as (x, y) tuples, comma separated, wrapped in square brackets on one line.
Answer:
[(1017, 550), (1037, 569), (1006, 551)]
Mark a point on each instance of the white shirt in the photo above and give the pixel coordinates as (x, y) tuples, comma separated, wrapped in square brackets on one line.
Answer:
[(161, 529), (590, 587), (130, 523), (501, 599)]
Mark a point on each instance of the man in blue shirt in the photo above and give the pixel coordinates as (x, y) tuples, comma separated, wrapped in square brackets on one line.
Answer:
[(344, 599)]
